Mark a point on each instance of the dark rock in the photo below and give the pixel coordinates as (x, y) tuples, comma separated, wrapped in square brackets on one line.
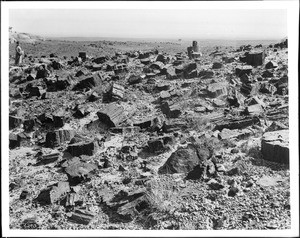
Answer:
[(228, 59), (14, 122), (58, 84), (238, 123), (276, 126), (88, 83), (254, 58), (162, 87), (134, 79), (53, 193), (267, 88), (271, 65), (267, 74), (80, 73), (240, 70), (47, 159), (58, 137), (233, 191), (217, 65), (82, 148), (145, 61), (250, 89), (192, 74), (181, 161), (129, 206), (161, 58), (233, 171), (30, 224), (14, 141), (157, 65), (214, 184), (188, 68), (42, 72), (156, 146), (59, 118), (29, 124), (81, 111), (112, 115), (172, 111), (24, 194), (81, 217), (275, 146), (196, 173), (56, 65), (82, 55), (100, 60)]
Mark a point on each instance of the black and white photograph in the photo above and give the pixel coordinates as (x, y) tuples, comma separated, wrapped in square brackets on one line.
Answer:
[(150, 119)]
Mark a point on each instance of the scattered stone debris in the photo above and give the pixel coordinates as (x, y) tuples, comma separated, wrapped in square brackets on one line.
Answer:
[(115, 137)]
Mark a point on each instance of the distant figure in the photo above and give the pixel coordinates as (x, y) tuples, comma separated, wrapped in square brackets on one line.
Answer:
[(19, 54)]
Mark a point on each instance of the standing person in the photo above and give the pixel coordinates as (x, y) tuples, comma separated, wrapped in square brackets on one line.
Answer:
[(19, 54)]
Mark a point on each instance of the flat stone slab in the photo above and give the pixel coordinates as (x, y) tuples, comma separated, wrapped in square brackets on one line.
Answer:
[(275, 146)]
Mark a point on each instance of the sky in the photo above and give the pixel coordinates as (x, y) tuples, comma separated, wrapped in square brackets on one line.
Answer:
[(158, 23)]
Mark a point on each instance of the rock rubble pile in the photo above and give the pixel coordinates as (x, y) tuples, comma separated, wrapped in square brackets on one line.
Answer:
[(151, 140)]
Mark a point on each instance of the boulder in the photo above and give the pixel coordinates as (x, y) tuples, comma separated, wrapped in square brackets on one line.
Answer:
[(250, 88), (188, 68), (134, 79), (255, 109), (117, 92), (172, 111), (47, 159), (275, 146), (206, 74), (276, 126), (81, 217), (82, 55), (157, 65), (79, 171), (112, 115), (216, 89), (226, 134), (56, 138), (82, 148), (271, 65), (53, 193), (88, 83), (14, 141), (100, 60), (14, 122), (254, 58), (164, 95), (170, 73), (240, 70), (162, 87), (217, 65), (239, 123), (267, 88), (267, 74), (158, 145), (183, 160)]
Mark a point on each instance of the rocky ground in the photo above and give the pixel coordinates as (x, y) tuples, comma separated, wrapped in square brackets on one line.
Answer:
[(140, 136)]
